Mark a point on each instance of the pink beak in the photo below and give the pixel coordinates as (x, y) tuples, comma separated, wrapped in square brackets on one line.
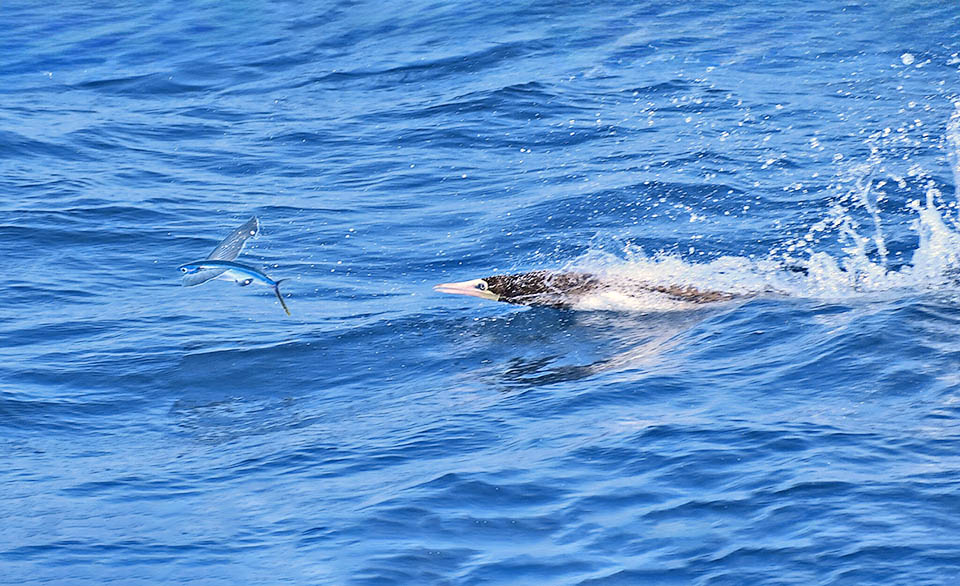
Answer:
[(464, 288)]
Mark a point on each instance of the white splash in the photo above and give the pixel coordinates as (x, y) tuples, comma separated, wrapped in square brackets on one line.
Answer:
[(795, 268)]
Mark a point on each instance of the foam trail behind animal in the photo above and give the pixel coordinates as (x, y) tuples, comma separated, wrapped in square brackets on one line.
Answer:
[(228, 249)]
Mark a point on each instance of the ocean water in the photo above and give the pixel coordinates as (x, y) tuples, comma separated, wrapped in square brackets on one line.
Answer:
[(802, 153)]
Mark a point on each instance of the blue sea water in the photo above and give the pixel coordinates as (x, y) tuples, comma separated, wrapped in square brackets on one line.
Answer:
[(388, 434)]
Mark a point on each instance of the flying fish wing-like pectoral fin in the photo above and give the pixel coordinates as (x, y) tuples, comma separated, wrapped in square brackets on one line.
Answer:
[(228, 249), (232, 245), (200, 277)]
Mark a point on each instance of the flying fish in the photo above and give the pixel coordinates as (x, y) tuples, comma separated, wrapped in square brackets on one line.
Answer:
[(220, 264)]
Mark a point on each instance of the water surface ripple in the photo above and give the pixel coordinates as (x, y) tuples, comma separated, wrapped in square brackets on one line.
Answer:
[(387, 434)]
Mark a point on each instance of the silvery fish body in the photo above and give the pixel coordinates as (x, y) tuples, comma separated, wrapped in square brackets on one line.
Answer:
[(227, 270), (221, 265), (229, 249)]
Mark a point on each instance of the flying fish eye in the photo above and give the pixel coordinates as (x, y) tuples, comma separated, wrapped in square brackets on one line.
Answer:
[(183, 269), (482, 286)]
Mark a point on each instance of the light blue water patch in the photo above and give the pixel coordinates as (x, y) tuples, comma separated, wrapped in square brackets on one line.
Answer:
[(802, 155)]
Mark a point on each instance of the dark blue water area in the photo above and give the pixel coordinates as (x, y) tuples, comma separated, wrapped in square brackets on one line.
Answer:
[(389, 434)]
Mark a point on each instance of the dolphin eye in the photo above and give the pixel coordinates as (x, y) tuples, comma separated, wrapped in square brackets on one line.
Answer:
[(482, 286)]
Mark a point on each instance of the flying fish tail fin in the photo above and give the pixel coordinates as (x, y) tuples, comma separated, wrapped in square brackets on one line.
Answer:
[(276, 289)]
